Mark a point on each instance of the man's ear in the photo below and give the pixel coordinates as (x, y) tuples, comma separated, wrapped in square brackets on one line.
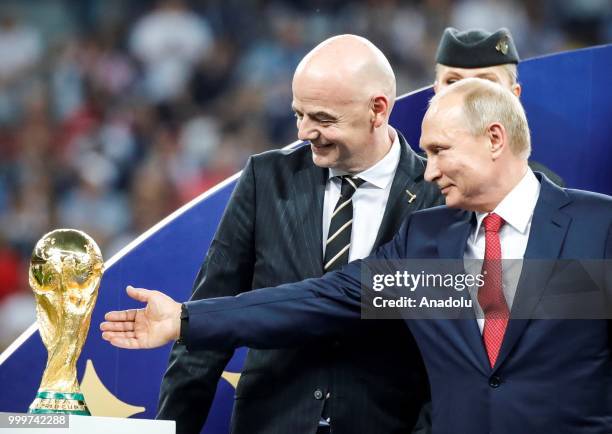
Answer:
[(516, 89), (379, 108), (498, 139)]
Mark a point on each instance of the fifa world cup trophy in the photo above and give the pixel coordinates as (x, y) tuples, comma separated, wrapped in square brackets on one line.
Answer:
[(65, 273)]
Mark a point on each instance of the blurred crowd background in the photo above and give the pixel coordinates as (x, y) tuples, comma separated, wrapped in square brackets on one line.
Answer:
[(114, 113)]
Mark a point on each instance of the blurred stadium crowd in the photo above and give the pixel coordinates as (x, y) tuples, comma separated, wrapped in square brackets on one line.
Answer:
[(113, 113)]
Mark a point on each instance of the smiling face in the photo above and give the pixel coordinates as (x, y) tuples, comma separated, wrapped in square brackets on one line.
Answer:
[(343, 93), (335, 119), (459, 162)]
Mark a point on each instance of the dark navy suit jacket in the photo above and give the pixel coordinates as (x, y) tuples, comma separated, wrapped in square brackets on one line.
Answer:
[(552, 375)]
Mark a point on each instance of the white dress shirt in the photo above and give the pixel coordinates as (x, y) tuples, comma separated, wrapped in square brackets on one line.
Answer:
[(369, 201), (517, 211)]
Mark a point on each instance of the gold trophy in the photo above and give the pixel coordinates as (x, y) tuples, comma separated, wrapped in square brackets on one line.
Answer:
[(65, 273)]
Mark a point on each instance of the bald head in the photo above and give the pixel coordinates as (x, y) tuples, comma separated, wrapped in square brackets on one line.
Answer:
[(343, 93), (351, 65)]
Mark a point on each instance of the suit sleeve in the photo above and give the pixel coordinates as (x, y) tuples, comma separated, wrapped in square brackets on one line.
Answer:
[(190, 381), (287, 315)]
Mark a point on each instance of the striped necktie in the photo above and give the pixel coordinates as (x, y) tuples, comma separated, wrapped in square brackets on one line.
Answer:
[(338, 241)]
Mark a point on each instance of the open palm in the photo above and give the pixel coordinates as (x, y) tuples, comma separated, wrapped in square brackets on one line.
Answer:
[(153, 326)]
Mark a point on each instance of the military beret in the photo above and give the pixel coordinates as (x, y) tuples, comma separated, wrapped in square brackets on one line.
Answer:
[(476, 48)]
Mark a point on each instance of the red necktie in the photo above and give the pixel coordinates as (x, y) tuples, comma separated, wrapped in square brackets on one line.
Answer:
[(491, 294)]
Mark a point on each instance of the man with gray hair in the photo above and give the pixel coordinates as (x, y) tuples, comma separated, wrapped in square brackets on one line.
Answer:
[(488, 373)]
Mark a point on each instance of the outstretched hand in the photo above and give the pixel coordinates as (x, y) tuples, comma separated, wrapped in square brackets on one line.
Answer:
[(153, 326)]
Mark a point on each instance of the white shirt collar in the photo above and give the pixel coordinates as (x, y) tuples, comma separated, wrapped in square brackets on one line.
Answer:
[(517, 207), (381, 173)]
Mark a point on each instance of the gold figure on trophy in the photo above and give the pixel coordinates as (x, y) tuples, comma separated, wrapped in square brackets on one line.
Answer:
[(65, 273)]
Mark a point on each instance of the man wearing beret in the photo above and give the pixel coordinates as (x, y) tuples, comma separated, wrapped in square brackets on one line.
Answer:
[(481, 54)]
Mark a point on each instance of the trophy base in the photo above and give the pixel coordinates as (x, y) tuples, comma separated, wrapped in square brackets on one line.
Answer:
[(58, 402)]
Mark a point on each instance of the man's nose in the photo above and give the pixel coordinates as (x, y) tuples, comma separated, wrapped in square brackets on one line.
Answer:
[(307, 130), (432, 172)]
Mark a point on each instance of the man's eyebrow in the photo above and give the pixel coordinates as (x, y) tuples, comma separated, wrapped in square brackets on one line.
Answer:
[(429, 145), (321, 114), (452, 74)]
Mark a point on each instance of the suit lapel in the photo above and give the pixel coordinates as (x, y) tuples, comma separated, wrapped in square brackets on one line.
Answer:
[(308, 189), (408, 182), (451, 245), (548, 230), (408, 176)]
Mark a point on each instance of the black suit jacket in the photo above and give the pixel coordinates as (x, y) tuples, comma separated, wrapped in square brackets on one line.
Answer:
[(271, 234)]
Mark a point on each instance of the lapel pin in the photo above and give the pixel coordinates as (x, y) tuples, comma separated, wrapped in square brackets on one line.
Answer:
[(411, 197)]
